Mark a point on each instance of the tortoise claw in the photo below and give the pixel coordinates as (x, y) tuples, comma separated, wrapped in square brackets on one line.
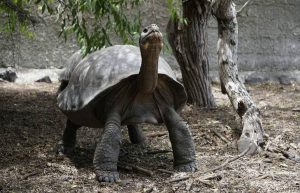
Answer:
[(107, 176), (190, 167)]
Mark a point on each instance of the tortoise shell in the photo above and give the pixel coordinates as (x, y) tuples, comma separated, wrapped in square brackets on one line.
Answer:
[(102, 70)]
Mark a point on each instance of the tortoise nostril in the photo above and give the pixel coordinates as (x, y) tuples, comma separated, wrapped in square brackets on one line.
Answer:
[(154, 26)]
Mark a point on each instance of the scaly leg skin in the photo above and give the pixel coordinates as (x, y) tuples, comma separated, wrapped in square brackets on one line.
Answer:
[(67, 144), (136, 135), (107, 150), (181, 140)]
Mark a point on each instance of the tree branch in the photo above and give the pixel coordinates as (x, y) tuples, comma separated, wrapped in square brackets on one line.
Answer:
[(252, 135), (241, 9)]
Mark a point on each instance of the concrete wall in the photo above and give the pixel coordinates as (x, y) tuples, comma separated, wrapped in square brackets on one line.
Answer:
[(44, 50), (269, 41)]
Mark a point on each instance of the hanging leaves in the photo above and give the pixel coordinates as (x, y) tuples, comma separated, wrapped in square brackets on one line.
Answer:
[(93, 21), (17, 15), (175, 10)]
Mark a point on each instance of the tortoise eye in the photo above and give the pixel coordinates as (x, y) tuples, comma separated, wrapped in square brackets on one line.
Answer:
[(145, 30)]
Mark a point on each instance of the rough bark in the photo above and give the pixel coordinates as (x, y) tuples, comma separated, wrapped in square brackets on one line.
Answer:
[(252, 134), (188, 43)]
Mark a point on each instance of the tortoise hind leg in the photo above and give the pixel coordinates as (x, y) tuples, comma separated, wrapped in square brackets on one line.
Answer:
[(67, 145), (136, 134), (181, 140)]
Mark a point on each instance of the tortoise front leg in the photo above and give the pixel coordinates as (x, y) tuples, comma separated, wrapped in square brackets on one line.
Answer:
[(136, 135), (181, 140), (107, 150)]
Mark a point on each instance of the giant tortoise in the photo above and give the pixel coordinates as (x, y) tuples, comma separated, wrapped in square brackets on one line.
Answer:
[(124, 85)]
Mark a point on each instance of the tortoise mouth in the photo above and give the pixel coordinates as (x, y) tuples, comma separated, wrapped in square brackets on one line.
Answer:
[(154, 37)]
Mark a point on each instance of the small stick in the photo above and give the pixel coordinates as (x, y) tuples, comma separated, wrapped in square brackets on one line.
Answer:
[(296, 110), (135, 168), (212, 170), (211, 176), (142, 170), (179, 179), (30, 175), (263, 177), (165, 171), (267, 146), (217, 133), (204, 182), (228, 161), (269, 143), (157, 134)]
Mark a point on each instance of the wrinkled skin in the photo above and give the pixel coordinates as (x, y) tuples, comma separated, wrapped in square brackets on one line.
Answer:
[(145, 98)]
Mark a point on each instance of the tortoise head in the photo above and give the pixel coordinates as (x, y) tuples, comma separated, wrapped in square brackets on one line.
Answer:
[(151, 38)]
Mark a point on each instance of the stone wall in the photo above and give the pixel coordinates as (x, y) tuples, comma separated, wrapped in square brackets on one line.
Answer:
[(269, 41), (269, 36)]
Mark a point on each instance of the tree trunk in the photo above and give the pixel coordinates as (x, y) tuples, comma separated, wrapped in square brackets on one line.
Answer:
[(188, 43), (252, 134)]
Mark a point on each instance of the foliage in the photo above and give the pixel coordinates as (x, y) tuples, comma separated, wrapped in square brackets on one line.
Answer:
[(175, 10), (15, 16), (92, 21)]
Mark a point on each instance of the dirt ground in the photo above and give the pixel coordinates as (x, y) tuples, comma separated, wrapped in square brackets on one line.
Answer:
[(31, 125)]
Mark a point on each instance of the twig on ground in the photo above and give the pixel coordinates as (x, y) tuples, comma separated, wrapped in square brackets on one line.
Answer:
[(296, 110), (263, 177), (211, 170), (130, 167), (217, 133), (165, 171), (211, 176), (267, 146), (157, 134), (291, 156), (203, 182), (269, 143), (273, 155), (30, 175), (228, 161), (179, 179), (142, 170)]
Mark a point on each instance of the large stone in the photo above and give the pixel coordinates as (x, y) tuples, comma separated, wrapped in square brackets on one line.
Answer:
[(8, 75)]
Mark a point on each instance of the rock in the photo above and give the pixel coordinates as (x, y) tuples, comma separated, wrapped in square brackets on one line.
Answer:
[(285, 80), (9, 75), (45, 79), (255, 79)]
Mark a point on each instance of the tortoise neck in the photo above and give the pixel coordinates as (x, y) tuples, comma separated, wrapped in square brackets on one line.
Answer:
[(148, 75)]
